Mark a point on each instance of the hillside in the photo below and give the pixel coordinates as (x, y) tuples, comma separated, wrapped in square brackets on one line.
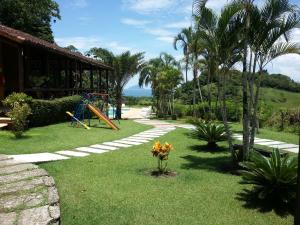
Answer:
[(280, 98)]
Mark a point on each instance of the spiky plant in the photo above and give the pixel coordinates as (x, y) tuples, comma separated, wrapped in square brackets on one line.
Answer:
[(274, 178), (210, 132)]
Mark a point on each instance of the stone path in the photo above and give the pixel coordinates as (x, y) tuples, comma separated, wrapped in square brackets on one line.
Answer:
[(28, 195), (259, 141), (160, 128)]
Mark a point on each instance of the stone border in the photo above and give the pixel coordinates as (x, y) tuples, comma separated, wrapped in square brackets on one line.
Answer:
[(27, 194)]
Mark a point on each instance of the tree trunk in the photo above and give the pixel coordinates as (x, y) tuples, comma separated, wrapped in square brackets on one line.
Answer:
[(186, 69), (119, 105), (245, 93), (224, 117), (194, 91)]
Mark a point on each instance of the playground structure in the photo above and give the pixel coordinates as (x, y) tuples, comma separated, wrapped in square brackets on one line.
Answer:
[(95, 103)]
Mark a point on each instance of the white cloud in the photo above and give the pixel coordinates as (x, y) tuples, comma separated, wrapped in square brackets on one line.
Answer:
[(82, 43), (85, 43), (134, 22), (147, 6), (159, 32), (79, 3), (287, 65), (167, 39), (178, 25)]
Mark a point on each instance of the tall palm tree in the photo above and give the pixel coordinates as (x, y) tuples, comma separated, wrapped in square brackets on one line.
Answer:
[(126, 66), (185, 39)]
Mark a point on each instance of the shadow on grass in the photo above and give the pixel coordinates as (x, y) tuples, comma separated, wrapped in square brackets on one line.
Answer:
[(205, 148), (220, 164), (251, 201), (23, 137)]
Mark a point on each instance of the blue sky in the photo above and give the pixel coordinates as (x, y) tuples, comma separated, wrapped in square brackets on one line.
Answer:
[(139, 26)]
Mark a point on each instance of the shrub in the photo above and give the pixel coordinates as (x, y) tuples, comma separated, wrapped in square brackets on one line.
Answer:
[(13, 98), (19, 114), (161, 152), (274, 178), (45, 112), (210, 132)]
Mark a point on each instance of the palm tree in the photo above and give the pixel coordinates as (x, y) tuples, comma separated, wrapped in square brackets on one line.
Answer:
[(185, 39), (125, 65), (153, 73)]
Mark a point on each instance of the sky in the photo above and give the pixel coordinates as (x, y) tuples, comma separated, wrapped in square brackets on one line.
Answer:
[(140, 26)]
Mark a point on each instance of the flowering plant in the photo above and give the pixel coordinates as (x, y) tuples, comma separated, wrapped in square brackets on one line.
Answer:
[(161, 152)]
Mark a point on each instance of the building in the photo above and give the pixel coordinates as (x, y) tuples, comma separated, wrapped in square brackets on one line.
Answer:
[(45, 70)]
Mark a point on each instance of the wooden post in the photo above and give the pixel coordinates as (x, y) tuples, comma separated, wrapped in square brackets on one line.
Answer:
[(21, 68), (80, 76), (106, 74), (2, 85), (100, 77)]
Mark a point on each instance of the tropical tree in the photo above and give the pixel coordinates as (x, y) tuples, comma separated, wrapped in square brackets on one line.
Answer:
[(33, 17), (185, 40), (163, 73), (126, 66)]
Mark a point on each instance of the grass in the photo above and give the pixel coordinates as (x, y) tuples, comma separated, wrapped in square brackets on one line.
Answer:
[(280, 98), (63, 136), (115, 188)]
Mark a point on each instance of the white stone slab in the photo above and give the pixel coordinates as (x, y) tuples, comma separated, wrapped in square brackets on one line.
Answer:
[(129, 142), (263, 140), (104, 147), (294, 150), (287, 146), (38, 157), (155, 133), (72, 153), (116, 144), (91, 150), (147, 135), (136, 140), (140, 136)]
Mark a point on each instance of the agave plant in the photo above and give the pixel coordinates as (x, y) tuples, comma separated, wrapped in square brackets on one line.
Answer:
[(210, 132), (274, 178)]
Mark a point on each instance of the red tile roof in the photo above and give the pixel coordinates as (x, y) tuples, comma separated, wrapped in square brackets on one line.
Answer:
[(25, 38)]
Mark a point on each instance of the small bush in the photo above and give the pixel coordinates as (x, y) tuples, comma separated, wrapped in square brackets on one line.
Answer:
[(274, 178), (19, 114), (210, 132), (45, 112), (13, 98)]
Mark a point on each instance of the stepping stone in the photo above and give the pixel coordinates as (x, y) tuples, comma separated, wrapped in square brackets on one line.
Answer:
[(22, 175), (13, 202), (91, 150), (10, 162), (115, 144), (17, 168), (135, 140), (272, 143), (5, 157), (41, 215), (294, 150), (72, 153), (21, 185), (8, 218), (262, 140), (287, 146), (155, 133), (104, 147), (129, 142), (143, 137), (39, 157)]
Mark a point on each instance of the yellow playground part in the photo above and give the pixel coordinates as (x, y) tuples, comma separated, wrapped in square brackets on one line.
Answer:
[(103, 117), (85, 126)]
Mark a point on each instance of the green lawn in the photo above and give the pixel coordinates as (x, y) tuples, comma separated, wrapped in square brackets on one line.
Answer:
[(115, 188), (63, 136)]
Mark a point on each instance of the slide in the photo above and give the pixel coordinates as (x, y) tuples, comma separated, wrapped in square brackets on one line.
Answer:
[(100, 115), (85, 126)]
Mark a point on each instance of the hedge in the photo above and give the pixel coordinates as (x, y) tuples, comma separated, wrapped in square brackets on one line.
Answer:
[(46, 112)]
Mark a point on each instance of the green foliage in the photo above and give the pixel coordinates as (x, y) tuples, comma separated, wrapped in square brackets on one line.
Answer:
[(285, 120), (45, 112), (274, 179), (141, 101), (19, 114), (280, 81), (33, 17), (209, 132), (13, 98)]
